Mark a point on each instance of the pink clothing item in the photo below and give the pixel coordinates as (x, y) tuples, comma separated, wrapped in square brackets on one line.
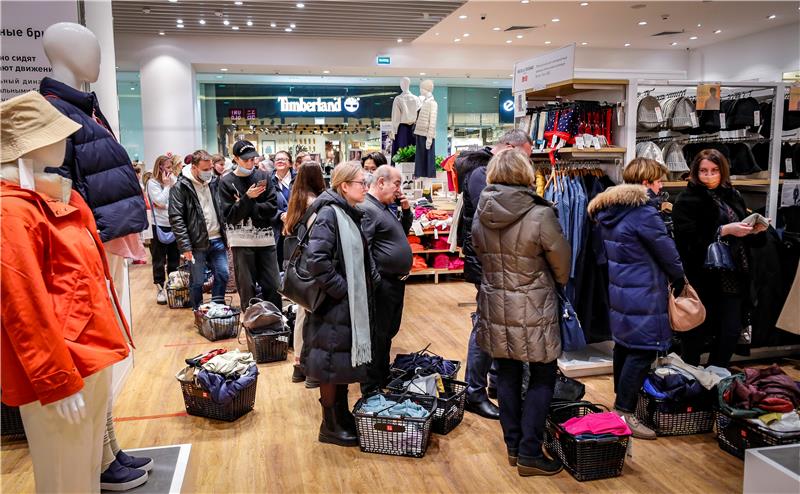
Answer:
[(441, 243), (130, 246), (441, 261), (597, 423), (456, 263)]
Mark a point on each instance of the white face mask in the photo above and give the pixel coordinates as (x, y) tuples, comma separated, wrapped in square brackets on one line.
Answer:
[(206, 176), (244, 171)]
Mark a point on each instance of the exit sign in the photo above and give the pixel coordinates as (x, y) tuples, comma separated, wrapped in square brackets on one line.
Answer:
[(384, 61)]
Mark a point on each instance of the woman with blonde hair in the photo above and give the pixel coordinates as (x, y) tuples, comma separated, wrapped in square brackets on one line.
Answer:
[(163, 247), (337, 346), (523, 254)]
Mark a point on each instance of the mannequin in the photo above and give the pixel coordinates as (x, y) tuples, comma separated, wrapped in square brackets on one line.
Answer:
[(56, 362), (425, 132), (404, 115)]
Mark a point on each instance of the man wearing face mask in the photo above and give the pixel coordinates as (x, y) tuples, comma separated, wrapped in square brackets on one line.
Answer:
[(249, 206), (195, 219)]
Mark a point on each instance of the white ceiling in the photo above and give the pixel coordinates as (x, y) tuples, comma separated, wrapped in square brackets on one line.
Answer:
[(608, 24)]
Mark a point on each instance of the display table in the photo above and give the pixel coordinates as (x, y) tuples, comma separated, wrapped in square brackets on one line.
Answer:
[(773, 470)]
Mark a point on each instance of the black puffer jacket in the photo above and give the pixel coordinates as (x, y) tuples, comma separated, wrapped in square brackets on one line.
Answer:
[(186, 216), (328, 333), (466, 164)]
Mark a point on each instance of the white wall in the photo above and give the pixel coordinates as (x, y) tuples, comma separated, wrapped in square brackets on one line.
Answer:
[(763, 56)]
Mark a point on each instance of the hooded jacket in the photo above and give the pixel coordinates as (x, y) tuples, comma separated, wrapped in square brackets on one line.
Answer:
[(328, 334), (523, 253), (471, 173), (97, 164), (187, 216), (642, 260)]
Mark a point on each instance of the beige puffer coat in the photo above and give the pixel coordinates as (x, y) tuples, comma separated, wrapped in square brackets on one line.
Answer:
[(521, 248)]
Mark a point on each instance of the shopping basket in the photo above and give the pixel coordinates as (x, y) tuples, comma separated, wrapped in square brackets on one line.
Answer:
[(449, 404), (180, 297), (269, 344), (735, 435), (199, 403), (668, 418), (402, 436), (398, 372), (11, 423)]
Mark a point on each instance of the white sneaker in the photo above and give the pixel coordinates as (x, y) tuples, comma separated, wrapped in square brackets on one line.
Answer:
[(161, 296)]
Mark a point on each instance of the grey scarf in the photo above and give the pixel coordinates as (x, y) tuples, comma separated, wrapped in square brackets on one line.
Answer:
[(353, 255)]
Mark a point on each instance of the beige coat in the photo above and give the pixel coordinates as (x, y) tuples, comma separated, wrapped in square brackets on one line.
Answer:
[(523, 253)]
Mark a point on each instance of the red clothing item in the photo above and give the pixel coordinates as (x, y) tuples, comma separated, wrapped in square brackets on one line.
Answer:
[(597, 423), (58, 322)]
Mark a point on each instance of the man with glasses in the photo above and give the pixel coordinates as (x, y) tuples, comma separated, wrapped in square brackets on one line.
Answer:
[(391, 253), (250, 207)]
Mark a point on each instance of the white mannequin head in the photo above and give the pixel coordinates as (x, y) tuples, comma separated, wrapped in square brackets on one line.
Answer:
[(74, 53), (405, 83), (426, 88)]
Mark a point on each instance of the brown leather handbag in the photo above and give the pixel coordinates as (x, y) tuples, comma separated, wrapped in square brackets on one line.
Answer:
[(686, 311)]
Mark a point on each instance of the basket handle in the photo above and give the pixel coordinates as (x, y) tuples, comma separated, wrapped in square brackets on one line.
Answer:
[(239, 334)]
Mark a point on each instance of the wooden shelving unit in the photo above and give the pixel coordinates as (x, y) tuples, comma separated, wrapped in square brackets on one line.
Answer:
[(435, 272), (736, 183), (572, 87)]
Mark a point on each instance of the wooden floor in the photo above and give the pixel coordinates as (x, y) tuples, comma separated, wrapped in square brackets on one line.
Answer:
[(275, 448)]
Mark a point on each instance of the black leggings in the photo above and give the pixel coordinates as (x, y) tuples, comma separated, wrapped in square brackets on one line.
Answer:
[(722, 327)]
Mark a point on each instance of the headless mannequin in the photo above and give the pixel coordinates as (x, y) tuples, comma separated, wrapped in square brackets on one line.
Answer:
[(404, 107), (425, 132)]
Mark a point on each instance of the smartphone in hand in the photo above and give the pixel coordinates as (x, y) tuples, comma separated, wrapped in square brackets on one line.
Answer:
[(262, 183)]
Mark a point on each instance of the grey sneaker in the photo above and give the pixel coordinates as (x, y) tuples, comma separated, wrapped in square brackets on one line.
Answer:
[(161, 296), (638, 429)]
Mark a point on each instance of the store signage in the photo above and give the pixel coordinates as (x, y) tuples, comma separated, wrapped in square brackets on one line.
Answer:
[(508, 105), (384, 60), (317, 105), (550, 68), (235, 113), (251, 114)]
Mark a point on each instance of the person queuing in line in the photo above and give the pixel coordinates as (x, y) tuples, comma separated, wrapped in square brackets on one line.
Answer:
[(337, 347), (177, 164), (163, 247), (642, 261), (282, 180), (218, 162), (308, 185), (510, 214), (471, 172), (196, 221), (710, 209), (392, 255), (372, 161), (301, 158), (247, 196)]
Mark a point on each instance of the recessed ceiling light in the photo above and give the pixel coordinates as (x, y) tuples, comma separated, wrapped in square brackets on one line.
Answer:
[(179, 21), (219, 77), (465, 35), (300, 5), (437, 34), (509, 41), (235, 28), (699, 25), (674, 43), (326, 71), (288, 30), (642, 23), (223, 69), (293, 25), (272, 24), (584, 4), (238, 3), (547, 42), (180, 26), (173, 1), (772, 16), (718, 31), (202, 21), (556, 20), (525, 1), (226, 22), (495, 29), (422, 73), (519, 36), (457, 40), (510, 75), (693, 37), (161, 33), (249, 23), (133, 89), (364, 79), (627, 44), (584, 43), (462, 17)]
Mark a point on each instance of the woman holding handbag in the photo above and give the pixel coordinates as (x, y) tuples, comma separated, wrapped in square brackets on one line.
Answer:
[(642, 261), (163, 247), (708, 220), (337, 346), (524, 254)]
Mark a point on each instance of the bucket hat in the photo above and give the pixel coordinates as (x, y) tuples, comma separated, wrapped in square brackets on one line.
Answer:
[(29, 122)]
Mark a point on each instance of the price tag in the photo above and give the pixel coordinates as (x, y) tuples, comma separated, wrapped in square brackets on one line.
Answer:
[(789, 165), (620, 116), (596, 142), (579, 143), (693, 118), (756, 118), (553, 141), (587, 140), (417, 228), (722, 123), (659, 115)]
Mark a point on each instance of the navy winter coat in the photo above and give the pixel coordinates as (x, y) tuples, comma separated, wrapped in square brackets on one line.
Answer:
[(471, 174), (97, 164), (642, 260)]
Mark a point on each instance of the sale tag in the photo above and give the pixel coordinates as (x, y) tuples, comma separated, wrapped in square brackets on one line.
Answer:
[(659, 115), (596, 142), (693, 118), (756, 118), (789, 165), (587, 140), (722, 123), (579, 143)]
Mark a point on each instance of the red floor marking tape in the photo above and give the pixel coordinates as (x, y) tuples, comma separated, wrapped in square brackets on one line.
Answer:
[(151, 417), (198, 343)]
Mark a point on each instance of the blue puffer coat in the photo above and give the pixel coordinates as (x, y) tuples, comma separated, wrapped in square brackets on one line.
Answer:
[(642, 260), (97, 164)]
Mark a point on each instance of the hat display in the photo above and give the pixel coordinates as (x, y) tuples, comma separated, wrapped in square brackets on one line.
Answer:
[(742, 160), (679, 113), (693, 149), (673, 157), (741, 113), (647, 114), (29, 122), (650, 150), (244, 150)]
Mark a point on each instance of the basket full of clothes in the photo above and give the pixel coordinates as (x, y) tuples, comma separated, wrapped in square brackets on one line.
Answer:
[(394, 424), (11, 424), (219, 384), (450, 397), (178, 283), (267, 335), (590, 442), (217, 321), (425, 359), (678, 399), (758, 408)]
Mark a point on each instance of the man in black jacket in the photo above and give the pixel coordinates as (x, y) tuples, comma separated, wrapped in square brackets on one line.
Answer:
[(471, 174), (249, 208), (392, 255), (195, 219)]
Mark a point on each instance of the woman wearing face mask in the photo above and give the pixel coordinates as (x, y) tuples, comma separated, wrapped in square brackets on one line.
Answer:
[(282, 180), (163, 247), (708, 208)]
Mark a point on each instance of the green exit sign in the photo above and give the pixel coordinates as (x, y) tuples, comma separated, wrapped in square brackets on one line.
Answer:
[(384, 61)]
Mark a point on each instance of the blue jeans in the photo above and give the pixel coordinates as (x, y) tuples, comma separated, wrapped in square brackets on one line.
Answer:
[(630, 369), (479, 365), (216, 256)]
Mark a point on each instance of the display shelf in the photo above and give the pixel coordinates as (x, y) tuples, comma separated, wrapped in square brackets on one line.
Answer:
[(571, 150), (430, 232), (438, 251), (435, 272), (736, 183), (572, 87)]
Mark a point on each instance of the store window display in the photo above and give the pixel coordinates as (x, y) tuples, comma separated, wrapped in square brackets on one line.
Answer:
[(405, 107), (425, 132)]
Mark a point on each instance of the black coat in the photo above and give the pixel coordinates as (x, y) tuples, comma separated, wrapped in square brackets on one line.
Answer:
[(466, 165), (328, 333), (186, 216), (261, 211)]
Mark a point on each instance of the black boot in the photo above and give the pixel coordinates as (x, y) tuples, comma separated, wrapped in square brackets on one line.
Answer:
[(344, 416), (332, 433)]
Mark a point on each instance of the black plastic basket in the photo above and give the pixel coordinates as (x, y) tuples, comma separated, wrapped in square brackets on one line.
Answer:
[(449, 405), (584, 458), (179, 298), (218, 328), (199, 403), (668, 418), (404, 436), (11, 423), (269, 346), (735, 435), (400, 372)]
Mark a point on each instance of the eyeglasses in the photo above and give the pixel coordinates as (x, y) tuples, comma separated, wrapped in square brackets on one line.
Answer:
[(362, 182)]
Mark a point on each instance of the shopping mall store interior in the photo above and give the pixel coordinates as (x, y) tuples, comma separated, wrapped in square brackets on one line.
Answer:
[(586, 246)]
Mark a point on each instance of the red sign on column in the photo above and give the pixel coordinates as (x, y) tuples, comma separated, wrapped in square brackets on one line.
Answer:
[(250, 114), (235, 113)]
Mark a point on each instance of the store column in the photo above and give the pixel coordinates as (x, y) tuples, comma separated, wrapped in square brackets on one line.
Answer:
[(169, 111), (442, 118)]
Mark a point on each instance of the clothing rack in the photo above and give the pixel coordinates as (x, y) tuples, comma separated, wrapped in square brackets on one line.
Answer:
[(703, 138)]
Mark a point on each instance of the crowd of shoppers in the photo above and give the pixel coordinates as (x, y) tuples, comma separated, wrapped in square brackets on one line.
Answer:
[(163, 245)]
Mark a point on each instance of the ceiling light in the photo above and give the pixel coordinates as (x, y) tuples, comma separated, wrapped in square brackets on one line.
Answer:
[(300, 5), (249, 23), (457, 40), (272, 24), (180, 26), (526, 1), (238, 3), (642, 23), (326, 71), (161, 33), (674, 43), (519, 36), (627, 44), (556, 20), (173, 1), (179, 21), (202, 21), (465, 35), (219, 77), (292, 25), (699, 25), (495, 29), (547, 42), (509, 41), (399, 40), (772, 16), (288, 30), (718, 31), (584, 4), (437, 34), (235, 28), (510, 75), (364, 79), (226, 22), (693, 37), (133, 89), (584, 43), (422, 73), (223, 69), (462, 17)]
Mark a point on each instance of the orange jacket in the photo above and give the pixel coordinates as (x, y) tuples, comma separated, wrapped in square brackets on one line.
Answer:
[(58, 322)]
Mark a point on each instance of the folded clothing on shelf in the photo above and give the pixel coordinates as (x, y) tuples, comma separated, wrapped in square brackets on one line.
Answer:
[(419, 263), (597, 423), (456, 263), (388, 408), (441, 261), (437, 214), (417, 248)]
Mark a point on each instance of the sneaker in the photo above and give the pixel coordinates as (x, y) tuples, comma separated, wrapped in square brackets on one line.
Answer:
[(161, 296), (638, 429), (121, 478), (129, 461), (527, 467)]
